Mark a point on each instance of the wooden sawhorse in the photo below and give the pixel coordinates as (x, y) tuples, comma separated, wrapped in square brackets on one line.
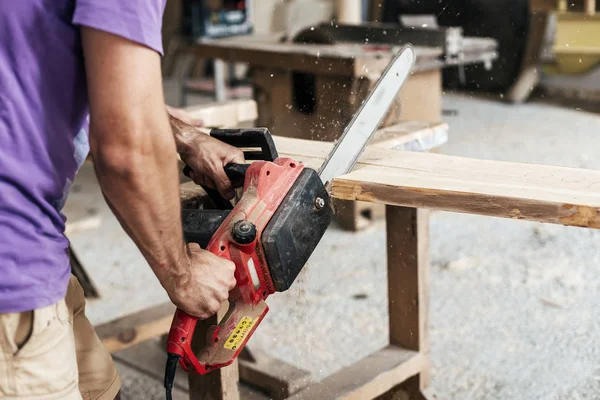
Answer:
[(407, 355)]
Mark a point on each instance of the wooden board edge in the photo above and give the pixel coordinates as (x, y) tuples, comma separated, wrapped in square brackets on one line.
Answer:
[(272, 375), (422, 139), (367, 378), (468, 203), (135, 328)]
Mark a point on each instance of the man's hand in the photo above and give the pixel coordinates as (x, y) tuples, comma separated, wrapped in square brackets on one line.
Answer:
[(206, 156), (204, 285)]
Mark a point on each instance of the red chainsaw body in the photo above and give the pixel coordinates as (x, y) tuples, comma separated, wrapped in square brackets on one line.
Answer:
[(265, 186)]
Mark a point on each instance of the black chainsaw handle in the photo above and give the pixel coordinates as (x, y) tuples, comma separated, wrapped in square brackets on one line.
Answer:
[(249, 138), (236, 174)]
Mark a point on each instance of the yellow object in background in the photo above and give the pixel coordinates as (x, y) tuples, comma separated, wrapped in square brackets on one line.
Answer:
[(577, 40)]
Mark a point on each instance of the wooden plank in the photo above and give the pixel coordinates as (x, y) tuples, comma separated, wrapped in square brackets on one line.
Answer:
[(543, 193), (345, 60), (136, 328), (225, 114), (221, 384), (276, 377), (342, 59), (411, 136), (149, 358), (368, 378), (567, 196), (408, 282)]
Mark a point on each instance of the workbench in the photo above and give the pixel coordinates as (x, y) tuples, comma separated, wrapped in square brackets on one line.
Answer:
[(148, 314), (311, 91), (343, 75)]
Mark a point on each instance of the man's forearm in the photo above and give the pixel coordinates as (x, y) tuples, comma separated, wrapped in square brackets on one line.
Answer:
[(141, 184), (135, 157)]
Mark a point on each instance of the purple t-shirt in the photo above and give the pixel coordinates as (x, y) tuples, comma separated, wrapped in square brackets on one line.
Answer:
[(43, 131)]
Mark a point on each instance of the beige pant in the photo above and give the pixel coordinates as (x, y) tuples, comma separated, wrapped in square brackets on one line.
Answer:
[(53, 353)]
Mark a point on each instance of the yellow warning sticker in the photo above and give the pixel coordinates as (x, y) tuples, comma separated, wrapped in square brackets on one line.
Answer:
[(239, 334)]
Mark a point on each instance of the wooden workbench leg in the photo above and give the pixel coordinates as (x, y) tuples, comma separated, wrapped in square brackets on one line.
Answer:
[(220, 85), (221, 384), (408, 286)]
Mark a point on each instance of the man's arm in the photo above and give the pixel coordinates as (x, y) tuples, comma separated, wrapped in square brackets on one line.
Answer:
[(135, 160)]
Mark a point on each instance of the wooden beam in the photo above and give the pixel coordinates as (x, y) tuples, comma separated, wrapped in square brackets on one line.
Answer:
[(408, 282), (225, 114), (566, 196), (276, 377), (367, 378), (136, 328), (411, 135), (343, 59)]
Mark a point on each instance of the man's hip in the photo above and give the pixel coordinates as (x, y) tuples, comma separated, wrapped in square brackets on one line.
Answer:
[(54, 353)]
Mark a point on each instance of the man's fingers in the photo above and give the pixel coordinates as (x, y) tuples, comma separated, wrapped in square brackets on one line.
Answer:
[(202, 180), (232, 282), (223, 183), (238, 157)]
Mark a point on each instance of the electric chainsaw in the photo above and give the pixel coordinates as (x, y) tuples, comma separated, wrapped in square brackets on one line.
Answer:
[(273, 229)]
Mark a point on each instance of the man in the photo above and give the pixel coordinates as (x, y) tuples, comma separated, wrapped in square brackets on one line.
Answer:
[(59, 60)]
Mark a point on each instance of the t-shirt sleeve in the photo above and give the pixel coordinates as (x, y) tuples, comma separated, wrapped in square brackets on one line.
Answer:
[(137, 20)]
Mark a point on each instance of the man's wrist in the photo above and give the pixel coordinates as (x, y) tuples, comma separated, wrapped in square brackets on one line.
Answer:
[(173, 268), (183, 135)]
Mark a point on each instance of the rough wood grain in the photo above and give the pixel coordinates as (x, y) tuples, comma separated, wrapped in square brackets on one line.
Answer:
[(276, 377), (366, 379), (566, 196), (136, 328), (408, 282)]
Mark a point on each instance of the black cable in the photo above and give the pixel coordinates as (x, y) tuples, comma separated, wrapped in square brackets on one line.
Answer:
[(170, 369)]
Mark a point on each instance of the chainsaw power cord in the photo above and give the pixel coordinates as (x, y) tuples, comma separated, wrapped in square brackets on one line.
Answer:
[(170, 369)]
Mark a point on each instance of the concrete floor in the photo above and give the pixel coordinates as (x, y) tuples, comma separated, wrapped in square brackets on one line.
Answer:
[(514, 305)]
